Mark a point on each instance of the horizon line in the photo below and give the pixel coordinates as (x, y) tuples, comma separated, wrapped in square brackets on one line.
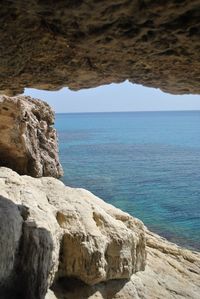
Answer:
[(134, 111)]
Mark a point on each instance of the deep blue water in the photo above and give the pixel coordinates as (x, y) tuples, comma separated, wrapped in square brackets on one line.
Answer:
[(145, 163)]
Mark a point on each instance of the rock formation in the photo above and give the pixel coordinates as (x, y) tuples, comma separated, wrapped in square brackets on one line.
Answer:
[(170, 273), (61, 243), (28, 142), (81, 44), (81, 247), (54, 232)]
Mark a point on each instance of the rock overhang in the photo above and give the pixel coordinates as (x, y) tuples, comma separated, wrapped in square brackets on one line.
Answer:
[(83, 44)]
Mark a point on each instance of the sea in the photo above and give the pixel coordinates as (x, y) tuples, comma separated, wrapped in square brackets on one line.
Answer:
[(145, 163)]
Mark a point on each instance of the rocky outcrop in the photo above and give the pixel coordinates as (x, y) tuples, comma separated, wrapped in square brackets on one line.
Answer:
[(68, 240), (81, 44), (55, 232), (170, 273), (28, 142)]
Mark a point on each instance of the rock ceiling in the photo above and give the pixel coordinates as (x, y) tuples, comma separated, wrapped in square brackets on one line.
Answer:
[(83, 44)]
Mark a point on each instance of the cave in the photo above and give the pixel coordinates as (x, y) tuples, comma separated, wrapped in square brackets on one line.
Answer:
[(52, 44), (80, 44)]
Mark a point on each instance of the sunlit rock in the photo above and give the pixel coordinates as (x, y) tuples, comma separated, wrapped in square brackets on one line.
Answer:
[(57, 232), (28, 141)]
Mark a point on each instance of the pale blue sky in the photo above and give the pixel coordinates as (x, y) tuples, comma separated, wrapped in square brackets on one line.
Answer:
[(115, 97)]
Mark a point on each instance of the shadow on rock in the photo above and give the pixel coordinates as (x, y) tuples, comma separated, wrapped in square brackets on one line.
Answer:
[(25, 254), (73, 288)]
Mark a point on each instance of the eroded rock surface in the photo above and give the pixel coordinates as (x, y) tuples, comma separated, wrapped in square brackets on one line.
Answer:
[(28, 141), (171, 272), (80, 44), (62, 233), (81, 247)]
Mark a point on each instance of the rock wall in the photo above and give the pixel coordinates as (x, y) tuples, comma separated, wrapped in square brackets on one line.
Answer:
[(28, 142), (81, 44), (68, 240)]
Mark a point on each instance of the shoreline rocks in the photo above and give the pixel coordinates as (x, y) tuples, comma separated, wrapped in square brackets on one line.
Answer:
[(69, 243), (66, 233), (28, 142)]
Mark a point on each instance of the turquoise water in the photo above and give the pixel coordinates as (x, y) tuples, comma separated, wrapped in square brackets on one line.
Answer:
[(145, 163)]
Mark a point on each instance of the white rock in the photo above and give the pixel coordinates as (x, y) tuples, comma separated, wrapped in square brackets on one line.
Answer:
[(72, 241), (98, 241)]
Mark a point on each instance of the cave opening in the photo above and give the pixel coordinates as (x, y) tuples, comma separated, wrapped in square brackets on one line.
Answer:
[(137, 148)]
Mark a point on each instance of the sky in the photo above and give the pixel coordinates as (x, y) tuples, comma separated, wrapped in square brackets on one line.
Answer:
[(115, 97)]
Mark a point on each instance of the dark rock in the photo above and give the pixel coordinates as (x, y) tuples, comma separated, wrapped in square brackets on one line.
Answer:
[(82, 44)]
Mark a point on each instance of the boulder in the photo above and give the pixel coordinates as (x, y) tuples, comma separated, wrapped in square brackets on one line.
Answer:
[(28, 142), (171, 272)]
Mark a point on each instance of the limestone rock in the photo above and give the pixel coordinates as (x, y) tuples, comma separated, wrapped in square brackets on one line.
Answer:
[(99, 242), (81, 44), (171, 273), (50, 295), (10, 232), (65, 233), (30, 237), (81, 247), (28, 142)]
